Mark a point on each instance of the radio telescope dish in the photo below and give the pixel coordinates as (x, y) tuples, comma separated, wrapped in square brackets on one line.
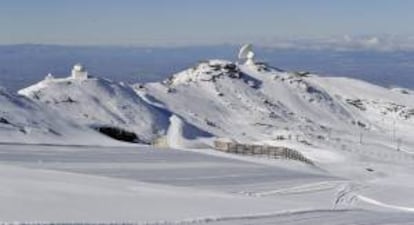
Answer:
[(246, 54), (250, 55), (244, 50)]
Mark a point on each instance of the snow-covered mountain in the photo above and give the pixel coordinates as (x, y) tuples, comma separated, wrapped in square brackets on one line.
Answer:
[(25, 121), (352, 142), (248, 102), (258, 102), (101, 104)]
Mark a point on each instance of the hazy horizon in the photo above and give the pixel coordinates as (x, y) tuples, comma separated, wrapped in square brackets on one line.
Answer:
[(126, 39), (186, 22), (23, 65)]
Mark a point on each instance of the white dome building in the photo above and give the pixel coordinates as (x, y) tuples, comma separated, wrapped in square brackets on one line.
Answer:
[(49, 77), (79, 72)]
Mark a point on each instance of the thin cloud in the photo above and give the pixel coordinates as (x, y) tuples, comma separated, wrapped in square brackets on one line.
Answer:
[(345, 43)]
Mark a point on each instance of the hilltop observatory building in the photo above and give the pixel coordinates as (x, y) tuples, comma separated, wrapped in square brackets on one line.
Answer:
[(49, 77), (79, 72)]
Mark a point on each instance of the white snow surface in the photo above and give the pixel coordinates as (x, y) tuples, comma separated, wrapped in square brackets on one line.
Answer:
[(323, 117), (258, 102), (55, 169), (24, 121), (100, 102), (141, 185)]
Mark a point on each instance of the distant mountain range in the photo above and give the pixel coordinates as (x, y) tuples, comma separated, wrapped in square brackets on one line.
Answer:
[(22, 65)]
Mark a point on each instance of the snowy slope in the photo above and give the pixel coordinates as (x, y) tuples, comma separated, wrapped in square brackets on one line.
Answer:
[(378, 106), (258, 102), (215, 97), (350, 129), (99, 103), (234, 101), (140, 185), (24, 121)]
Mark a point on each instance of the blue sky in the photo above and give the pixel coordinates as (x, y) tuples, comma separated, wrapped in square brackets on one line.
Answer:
[(189, 22)]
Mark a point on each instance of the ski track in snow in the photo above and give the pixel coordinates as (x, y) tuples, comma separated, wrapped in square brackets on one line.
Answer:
[(312, 187), (305, 216), (384, 205)]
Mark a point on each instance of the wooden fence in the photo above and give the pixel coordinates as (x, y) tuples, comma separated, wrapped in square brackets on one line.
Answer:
[(271, 151)]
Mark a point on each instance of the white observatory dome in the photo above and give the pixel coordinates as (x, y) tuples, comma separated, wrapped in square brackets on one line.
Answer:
[(79, 72), (78, 67)]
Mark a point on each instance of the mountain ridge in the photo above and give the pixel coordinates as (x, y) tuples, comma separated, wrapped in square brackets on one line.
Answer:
[(247, 103)]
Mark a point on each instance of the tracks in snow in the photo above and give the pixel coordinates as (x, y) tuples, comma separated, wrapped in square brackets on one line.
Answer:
[(306, 188), (209, 220), (384, 205)]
